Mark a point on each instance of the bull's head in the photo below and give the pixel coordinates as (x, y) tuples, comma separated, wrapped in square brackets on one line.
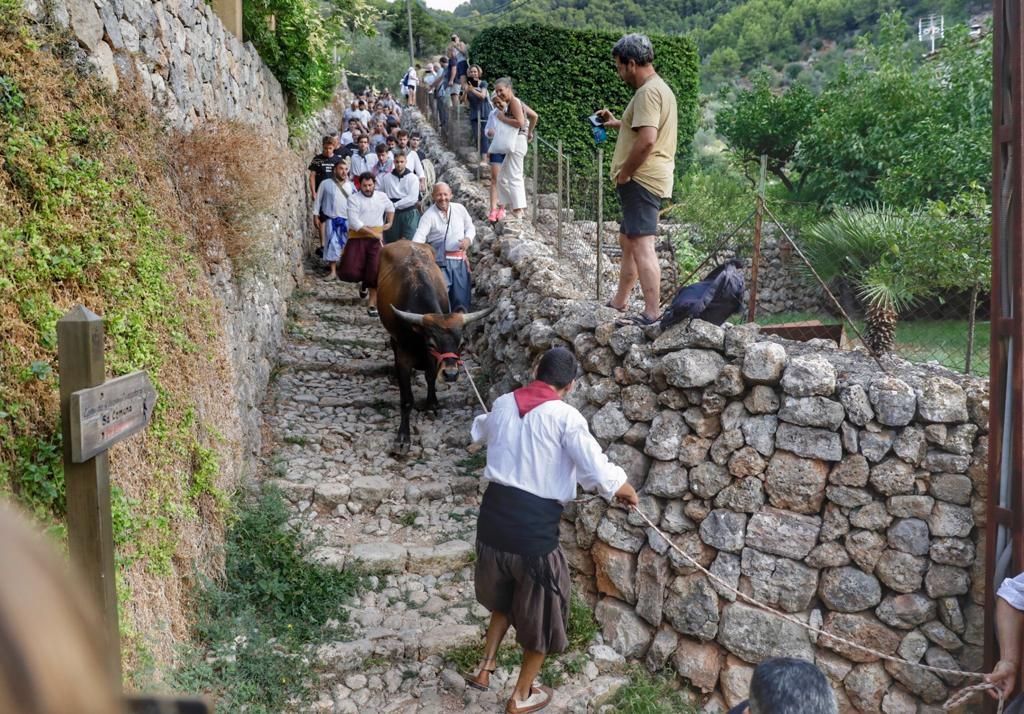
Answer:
[(443, 335)]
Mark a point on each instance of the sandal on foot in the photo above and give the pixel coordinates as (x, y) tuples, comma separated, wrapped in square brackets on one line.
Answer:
[(641, 320), (372, 312), (499, 214), (617, 309), (540, 697), (492, 217), (482, 679)]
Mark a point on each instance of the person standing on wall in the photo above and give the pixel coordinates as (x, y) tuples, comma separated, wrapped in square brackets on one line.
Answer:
[(642, 169), (511, 183)]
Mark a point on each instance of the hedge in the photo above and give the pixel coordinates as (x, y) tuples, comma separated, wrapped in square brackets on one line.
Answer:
[(565, 75)]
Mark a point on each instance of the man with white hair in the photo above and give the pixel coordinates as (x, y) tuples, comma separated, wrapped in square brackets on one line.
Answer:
[(449, 230)]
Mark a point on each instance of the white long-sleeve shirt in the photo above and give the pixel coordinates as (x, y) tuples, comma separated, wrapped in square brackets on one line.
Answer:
[(1012, 590), (331, 200), (361, 164), (413, 163), (434, 227), (545, 453), (368, 211), (404, 192)]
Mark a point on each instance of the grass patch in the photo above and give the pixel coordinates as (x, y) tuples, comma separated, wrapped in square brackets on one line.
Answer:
[(942, 341), (473, 464), (253, 625), (648, 693), (581, 630)]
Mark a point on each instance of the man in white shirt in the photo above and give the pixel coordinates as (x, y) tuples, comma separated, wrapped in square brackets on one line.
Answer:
[(349, 136), (362, 159), (403, 188), (1009, 623), (412, 158), (370, 213), (331, 208), (538, 449), (362, 113), (449, 230)]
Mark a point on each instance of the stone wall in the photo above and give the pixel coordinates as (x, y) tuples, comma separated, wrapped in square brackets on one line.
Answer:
[(186, 64), (807, 477), (191, 70)]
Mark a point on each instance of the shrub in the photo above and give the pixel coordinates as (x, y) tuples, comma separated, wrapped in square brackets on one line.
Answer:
[(565, 75), (221, 193)]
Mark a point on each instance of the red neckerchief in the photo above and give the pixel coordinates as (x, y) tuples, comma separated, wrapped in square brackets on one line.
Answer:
[(533, 395)]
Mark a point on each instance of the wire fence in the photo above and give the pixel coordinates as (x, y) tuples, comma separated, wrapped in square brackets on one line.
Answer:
[(796, 288)]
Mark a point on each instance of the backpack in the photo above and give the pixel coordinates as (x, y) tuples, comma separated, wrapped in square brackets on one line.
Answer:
[(713, 299)]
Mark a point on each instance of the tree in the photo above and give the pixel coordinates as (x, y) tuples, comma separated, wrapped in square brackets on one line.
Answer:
[(891, 128), (860, 248), (429, 34), (763, 122)]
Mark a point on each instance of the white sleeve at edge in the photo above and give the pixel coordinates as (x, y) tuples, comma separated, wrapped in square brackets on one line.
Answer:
[(1012, 590), (595, 471), (479, 429)]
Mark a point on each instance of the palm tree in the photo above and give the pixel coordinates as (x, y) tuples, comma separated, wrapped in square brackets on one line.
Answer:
[(859, 249)]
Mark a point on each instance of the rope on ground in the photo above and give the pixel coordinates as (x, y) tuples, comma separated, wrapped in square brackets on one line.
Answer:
[(954, 701), (475, 390)]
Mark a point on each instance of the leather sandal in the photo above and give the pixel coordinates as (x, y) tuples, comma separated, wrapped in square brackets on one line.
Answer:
[(482, 679), (540, 697)]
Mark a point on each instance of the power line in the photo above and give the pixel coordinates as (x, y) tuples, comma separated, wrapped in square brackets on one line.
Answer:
[(496, 11)]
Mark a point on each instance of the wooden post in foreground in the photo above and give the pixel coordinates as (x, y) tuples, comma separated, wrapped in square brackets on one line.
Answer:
[(87, 484)]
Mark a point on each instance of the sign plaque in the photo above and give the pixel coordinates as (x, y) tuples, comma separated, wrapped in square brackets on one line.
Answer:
[(104, 415)]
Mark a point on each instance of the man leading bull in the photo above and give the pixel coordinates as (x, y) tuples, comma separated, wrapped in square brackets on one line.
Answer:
[(448, 229), (538, 449)]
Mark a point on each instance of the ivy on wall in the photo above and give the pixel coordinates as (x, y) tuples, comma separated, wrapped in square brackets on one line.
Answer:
[(565, 75)]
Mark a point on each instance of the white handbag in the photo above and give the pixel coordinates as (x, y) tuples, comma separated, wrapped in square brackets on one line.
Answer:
[(504, 138)]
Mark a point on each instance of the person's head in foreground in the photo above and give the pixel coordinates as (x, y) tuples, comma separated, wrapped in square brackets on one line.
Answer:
[(52, 657), (788, 686), (559, 369)]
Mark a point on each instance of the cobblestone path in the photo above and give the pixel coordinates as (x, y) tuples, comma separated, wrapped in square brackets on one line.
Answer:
[(329, 418)]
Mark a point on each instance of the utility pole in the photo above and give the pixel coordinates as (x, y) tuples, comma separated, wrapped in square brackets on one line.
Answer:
[(408, 15)]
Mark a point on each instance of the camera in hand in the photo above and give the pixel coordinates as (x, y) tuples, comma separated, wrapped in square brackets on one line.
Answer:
[(595, 120)]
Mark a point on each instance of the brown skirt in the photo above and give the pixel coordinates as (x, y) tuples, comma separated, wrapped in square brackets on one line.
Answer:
[(506, 583), (360, 261)]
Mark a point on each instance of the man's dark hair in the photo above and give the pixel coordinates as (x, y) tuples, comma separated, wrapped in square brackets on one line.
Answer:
[(557, 367), (382, 148), (327, 140), (402, 132), (790, 686), (401, 153), (636, 47), (367, 176), (415, 135)]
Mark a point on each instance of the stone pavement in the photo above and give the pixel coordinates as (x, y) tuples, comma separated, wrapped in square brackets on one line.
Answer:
[(329, 418)]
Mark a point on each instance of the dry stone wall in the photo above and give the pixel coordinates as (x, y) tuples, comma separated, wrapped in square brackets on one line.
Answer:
[(192, 70), (809, 478), (185, 62)]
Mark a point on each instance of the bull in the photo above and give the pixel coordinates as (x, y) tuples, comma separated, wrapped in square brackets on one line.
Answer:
[(412, 297)]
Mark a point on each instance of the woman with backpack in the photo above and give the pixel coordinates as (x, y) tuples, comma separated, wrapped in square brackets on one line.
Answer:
[(410, 81)]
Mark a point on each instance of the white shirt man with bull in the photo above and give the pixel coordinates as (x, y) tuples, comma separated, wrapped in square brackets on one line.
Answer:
[(448, 229)]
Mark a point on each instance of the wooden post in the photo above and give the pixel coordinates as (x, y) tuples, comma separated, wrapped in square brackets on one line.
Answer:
[(536, 178), (972, 321), (230, 13), (90, 530), (600, 220), (758, 223), (558, 234)]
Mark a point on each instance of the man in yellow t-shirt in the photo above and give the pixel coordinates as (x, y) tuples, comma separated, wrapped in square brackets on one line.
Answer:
[(642, 168)]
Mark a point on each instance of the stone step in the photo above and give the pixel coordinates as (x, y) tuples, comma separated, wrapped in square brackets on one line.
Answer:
[(365, 367), (388, 557)]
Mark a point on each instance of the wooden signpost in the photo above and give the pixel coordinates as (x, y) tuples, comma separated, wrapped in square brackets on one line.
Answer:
[(95, 415)]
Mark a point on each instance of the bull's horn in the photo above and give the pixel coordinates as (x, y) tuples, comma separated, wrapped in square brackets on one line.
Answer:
[(411, 317), (473, 316)]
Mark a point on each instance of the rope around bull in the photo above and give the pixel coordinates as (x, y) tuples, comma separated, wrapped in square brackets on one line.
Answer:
[(955, 700)]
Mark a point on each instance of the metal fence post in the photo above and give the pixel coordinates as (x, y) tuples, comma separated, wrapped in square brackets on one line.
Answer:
[(558, 223), (90, 524), (600, 221), (568, 184), (536, 178), (758, 223)]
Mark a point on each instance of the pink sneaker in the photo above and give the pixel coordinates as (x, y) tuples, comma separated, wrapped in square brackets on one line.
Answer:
[(499, 214), (493, 216)]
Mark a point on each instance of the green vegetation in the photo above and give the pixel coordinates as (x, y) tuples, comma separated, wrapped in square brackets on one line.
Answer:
[(565, 75), (581, 631), (376, 62), (649, 693), (299, 40), (254, 623)]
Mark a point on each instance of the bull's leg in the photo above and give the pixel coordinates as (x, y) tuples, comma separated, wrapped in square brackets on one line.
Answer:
[(404, 372), (431, 404)]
